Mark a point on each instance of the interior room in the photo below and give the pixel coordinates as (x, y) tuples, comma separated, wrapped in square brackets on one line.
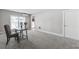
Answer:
[(39, 28)]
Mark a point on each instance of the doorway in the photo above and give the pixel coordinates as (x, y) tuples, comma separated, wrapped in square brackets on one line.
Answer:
[(71, 25)]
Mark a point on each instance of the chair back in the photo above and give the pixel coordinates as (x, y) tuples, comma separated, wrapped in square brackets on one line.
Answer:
[(7, 30)]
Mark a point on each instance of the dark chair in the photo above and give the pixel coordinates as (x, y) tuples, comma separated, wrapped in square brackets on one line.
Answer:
[(9, 34)]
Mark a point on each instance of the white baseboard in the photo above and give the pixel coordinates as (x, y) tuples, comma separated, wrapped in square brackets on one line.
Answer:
[(51, 33), (72, 38), (61, 35)]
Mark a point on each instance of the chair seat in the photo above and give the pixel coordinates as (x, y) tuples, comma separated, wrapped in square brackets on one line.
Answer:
[(13, 35)]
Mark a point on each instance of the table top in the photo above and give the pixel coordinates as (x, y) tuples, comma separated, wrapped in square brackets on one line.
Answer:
[(20, 29)]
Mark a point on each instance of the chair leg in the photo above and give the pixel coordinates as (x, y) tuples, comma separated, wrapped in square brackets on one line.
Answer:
[(7, 41), (18, 39)]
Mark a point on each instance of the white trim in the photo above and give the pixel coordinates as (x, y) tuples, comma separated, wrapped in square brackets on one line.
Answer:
[(71, 38), (61, 35), (63, 25)]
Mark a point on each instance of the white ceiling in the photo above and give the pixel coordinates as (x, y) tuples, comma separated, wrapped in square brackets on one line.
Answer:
[(32, 11), (29, 11)]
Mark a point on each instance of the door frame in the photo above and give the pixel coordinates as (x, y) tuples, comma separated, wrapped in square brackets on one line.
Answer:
[(63, 26)]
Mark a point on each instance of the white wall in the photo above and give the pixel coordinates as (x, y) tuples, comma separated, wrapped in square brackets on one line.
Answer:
[(5, 18), (50, 21), (53, 22)]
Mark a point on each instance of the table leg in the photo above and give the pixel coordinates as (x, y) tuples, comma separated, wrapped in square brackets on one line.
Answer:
[(26, 35)]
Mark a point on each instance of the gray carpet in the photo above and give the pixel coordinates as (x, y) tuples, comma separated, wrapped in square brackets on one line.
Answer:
[(39, 40)]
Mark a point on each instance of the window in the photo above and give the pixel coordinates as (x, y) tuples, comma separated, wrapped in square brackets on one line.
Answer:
[(15, 22)]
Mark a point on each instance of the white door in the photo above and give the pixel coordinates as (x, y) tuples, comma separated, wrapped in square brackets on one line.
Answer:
[(72, 24)]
